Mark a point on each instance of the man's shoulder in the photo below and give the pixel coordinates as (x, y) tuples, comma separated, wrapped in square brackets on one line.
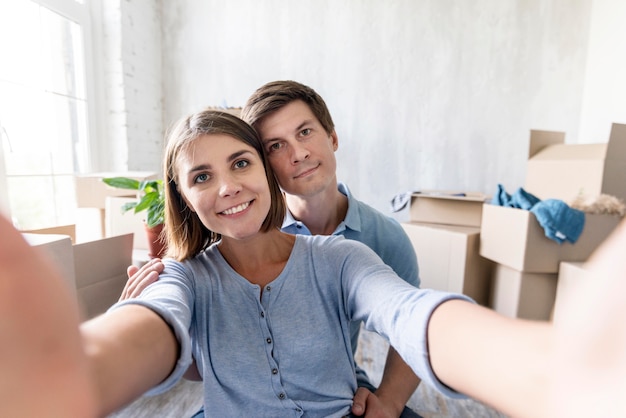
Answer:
[(370, 216)]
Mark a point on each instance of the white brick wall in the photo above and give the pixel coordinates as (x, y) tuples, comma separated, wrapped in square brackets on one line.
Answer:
[(133, 122)]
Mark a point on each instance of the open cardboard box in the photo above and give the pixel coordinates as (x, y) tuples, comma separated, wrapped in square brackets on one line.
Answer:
[(69, 230), (100, 268), (557, 170), (58, 248), (515, 238), (447, 207), (448, 259), (95, 270)]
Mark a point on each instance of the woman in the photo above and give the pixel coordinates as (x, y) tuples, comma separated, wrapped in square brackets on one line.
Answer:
[(264, 314), (269, 309)]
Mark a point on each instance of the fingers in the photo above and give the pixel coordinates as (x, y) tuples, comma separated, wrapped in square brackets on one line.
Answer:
[(359, 401), (140, 278), (132, 270)]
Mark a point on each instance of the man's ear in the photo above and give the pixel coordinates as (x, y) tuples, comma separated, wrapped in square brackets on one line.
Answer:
[(335, 140)]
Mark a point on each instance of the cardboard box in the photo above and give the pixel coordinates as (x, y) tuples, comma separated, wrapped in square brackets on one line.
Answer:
[(519, 294), (91, 191), (69, 230), (100, 268), (563, 171), (448, 208), (235, 111), (513, 237), (59, 249), (571, 274), (118, 223), (448, 259)]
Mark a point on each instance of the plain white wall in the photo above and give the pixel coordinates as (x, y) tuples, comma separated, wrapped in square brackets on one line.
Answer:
[(424, 94), (604, 97)]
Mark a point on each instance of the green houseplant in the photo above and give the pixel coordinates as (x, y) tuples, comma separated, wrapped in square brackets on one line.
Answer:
[(151, 199)]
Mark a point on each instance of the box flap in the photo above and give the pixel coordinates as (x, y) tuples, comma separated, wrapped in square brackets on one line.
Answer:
[(101, 259), (571, 152), (69, 230), (452, 195), (616, 149), (59, 248), (542, 139), (447, 207)]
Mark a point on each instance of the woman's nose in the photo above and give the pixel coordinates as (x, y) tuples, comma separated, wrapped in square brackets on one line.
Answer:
[(229, 186)]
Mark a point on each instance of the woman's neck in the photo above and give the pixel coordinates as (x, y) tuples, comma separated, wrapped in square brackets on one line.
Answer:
[(259, 259)]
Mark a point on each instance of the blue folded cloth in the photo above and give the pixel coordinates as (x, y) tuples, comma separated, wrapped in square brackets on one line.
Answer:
[(521, 199), (559, 221)]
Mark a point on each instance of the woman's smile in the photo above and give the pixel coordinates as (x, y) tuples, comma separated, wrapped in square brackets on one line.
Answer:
[(237, 209)]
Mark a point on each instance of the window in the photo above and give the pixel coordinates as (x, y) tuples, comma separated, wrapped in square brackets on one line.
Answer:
[(44, 131)]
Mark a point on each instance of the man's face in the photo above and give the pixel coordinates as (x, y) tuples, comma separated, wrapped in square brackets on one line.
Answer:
[(300, 151)]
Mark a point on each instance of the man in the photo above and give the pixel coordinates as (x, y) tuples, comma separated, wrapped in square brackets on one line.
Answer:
[(300, 140)]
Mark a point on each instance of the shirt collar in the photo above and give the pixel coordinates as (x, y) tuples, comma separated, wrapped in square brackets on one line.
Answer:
[(352, 220), (353, 216)]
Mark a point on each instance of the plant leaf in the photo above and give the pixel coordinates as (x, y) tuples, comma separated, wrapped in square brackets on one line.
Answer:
[(122, 183)]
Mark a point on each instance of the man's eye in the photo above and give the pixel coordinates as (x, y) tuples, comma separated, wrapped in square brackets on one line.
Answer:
[(201, 178), (275, 146), (305, 132)]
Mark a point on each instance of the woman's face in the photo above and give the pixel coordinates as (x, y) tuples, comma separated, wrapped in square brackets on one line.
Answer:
[(223, 180)]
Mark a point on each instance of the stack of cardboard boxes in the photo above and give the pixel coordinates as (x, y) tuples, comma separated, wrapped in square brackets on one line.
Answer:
[(526, 275), (99, 210), (444, 229), (93, 254), (95, 271)]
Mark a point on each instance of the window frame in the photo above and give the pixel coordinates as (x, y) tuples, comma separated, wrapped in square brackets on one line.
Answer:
[(89, 18)]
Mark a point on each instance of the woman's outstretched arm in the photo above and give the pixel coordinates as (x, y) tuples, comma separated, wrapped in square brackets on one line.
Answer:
[(502, 362), (51, 365), (573, 368), (129, 350), (43, 367)]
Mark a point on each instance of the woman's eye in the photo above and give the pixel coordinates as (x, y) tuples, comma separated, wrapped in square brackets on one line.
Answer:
[(241, 164), (201, 178)]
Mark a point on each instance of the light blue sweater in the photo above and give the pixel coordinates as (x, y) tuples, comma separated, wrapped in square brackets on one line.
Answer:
[(288, 353), (382, 234)]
